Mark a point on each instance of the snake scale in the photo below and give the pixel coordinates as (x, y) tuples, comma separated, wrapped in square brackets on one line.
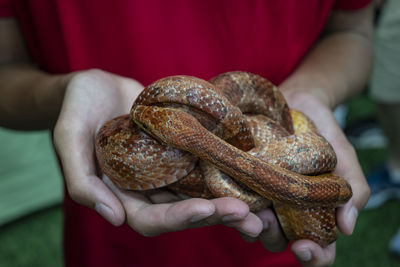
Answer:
[(232, 136)]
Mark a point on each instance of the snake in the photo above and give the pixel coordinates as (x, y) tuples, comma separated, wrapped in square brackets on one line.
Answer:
[(231, 136)]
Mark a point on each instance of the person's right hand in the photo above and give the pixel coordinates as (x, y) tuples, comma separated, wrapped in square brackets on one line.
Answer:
[(93, 97)]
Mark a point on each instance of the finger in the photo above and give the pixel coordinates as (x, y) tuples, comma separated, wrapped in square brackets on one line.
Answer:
[(349, 168), (347, 165), (229, 209), (347, 217), (161, 196), (235, 213), (272, 236), (151, 219), (249, 227), (310, 254), (83, 185)]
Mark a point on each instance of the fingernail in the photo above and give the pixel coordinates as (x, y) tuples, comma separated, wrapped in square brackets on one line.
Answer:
[(352, 215), (304, 255), (230, 218), (199, 217), (105, 211)]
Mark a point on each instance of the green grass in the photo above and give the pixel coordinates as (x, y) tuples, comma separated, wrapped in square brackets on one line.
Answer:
[(359, 108), (36, 240), (33, 241), (368, 246)]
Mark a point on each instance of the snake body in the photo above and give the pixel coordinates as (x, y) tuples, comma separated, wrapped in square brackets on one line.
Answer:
[(250, 144)]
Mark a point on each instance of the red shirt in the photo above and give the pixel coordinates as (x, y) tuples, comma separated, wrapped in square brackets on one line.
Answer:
[(147, 40)]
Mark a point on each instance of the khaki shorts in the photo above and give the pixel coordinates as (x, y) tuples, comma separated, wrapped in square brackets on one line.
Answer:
[(385, 79)]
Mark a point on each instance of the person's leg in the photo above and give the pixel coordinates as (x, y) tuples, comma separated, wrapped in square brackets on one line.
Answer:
[(389, 117), (385, 181), (385, 90)]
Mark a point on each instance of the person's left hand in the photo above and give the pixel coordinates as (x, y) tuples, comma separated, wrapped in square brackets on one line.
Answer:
[(308, 252)]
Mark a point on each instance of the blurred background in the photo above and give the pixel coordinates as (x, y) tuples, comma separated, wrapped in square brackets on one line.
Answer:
[(31, 194)]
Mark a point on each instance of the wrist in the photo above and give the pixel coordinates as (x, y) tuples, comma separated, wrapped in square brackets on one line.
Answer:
[(30, 98), (49, 95)]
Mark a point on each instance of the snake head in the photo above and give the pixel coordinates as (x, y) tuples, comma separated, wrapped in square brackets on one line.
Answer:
[(167, 124)]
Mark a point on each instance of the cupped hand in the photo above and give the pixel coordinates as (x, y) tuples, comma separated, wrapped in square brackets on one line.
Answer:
[(308, 252), (93, 97)]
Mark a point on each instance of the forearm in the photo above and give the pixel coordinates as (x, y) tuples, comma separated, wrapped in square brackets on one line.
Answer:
[(335, 69), (30, 99)]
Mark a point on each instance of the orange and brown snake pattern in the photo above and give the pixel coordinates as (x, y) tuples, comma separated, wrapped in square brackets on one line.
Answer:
[(233, 136)]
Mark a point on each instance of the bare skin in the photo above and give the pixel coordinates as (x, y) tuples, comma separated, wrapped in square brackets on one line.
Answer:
[(334, 70)]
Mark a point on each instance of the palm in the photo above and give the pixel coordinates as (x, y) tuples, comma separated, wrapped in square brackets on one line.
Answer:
[(92, 98)]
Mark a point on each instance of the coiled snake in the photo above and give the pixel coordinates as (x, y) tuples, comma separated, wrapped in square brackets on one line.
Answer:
[(271, 153)]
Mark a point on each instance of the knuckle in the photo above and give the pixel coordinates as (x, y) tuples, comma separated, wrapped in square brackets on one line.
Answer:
[(366, 190), (77, 191), (61, 133), (365, 193), (131, 222), (142, 230), (58, 132), (74, 192), (95, 71), (81, 78), (90, 75)]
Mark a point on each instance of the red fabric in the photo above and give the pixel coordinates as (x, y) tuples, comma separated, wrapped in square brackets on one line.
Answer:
[(151, 39), (350, 5), (5, 9)]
